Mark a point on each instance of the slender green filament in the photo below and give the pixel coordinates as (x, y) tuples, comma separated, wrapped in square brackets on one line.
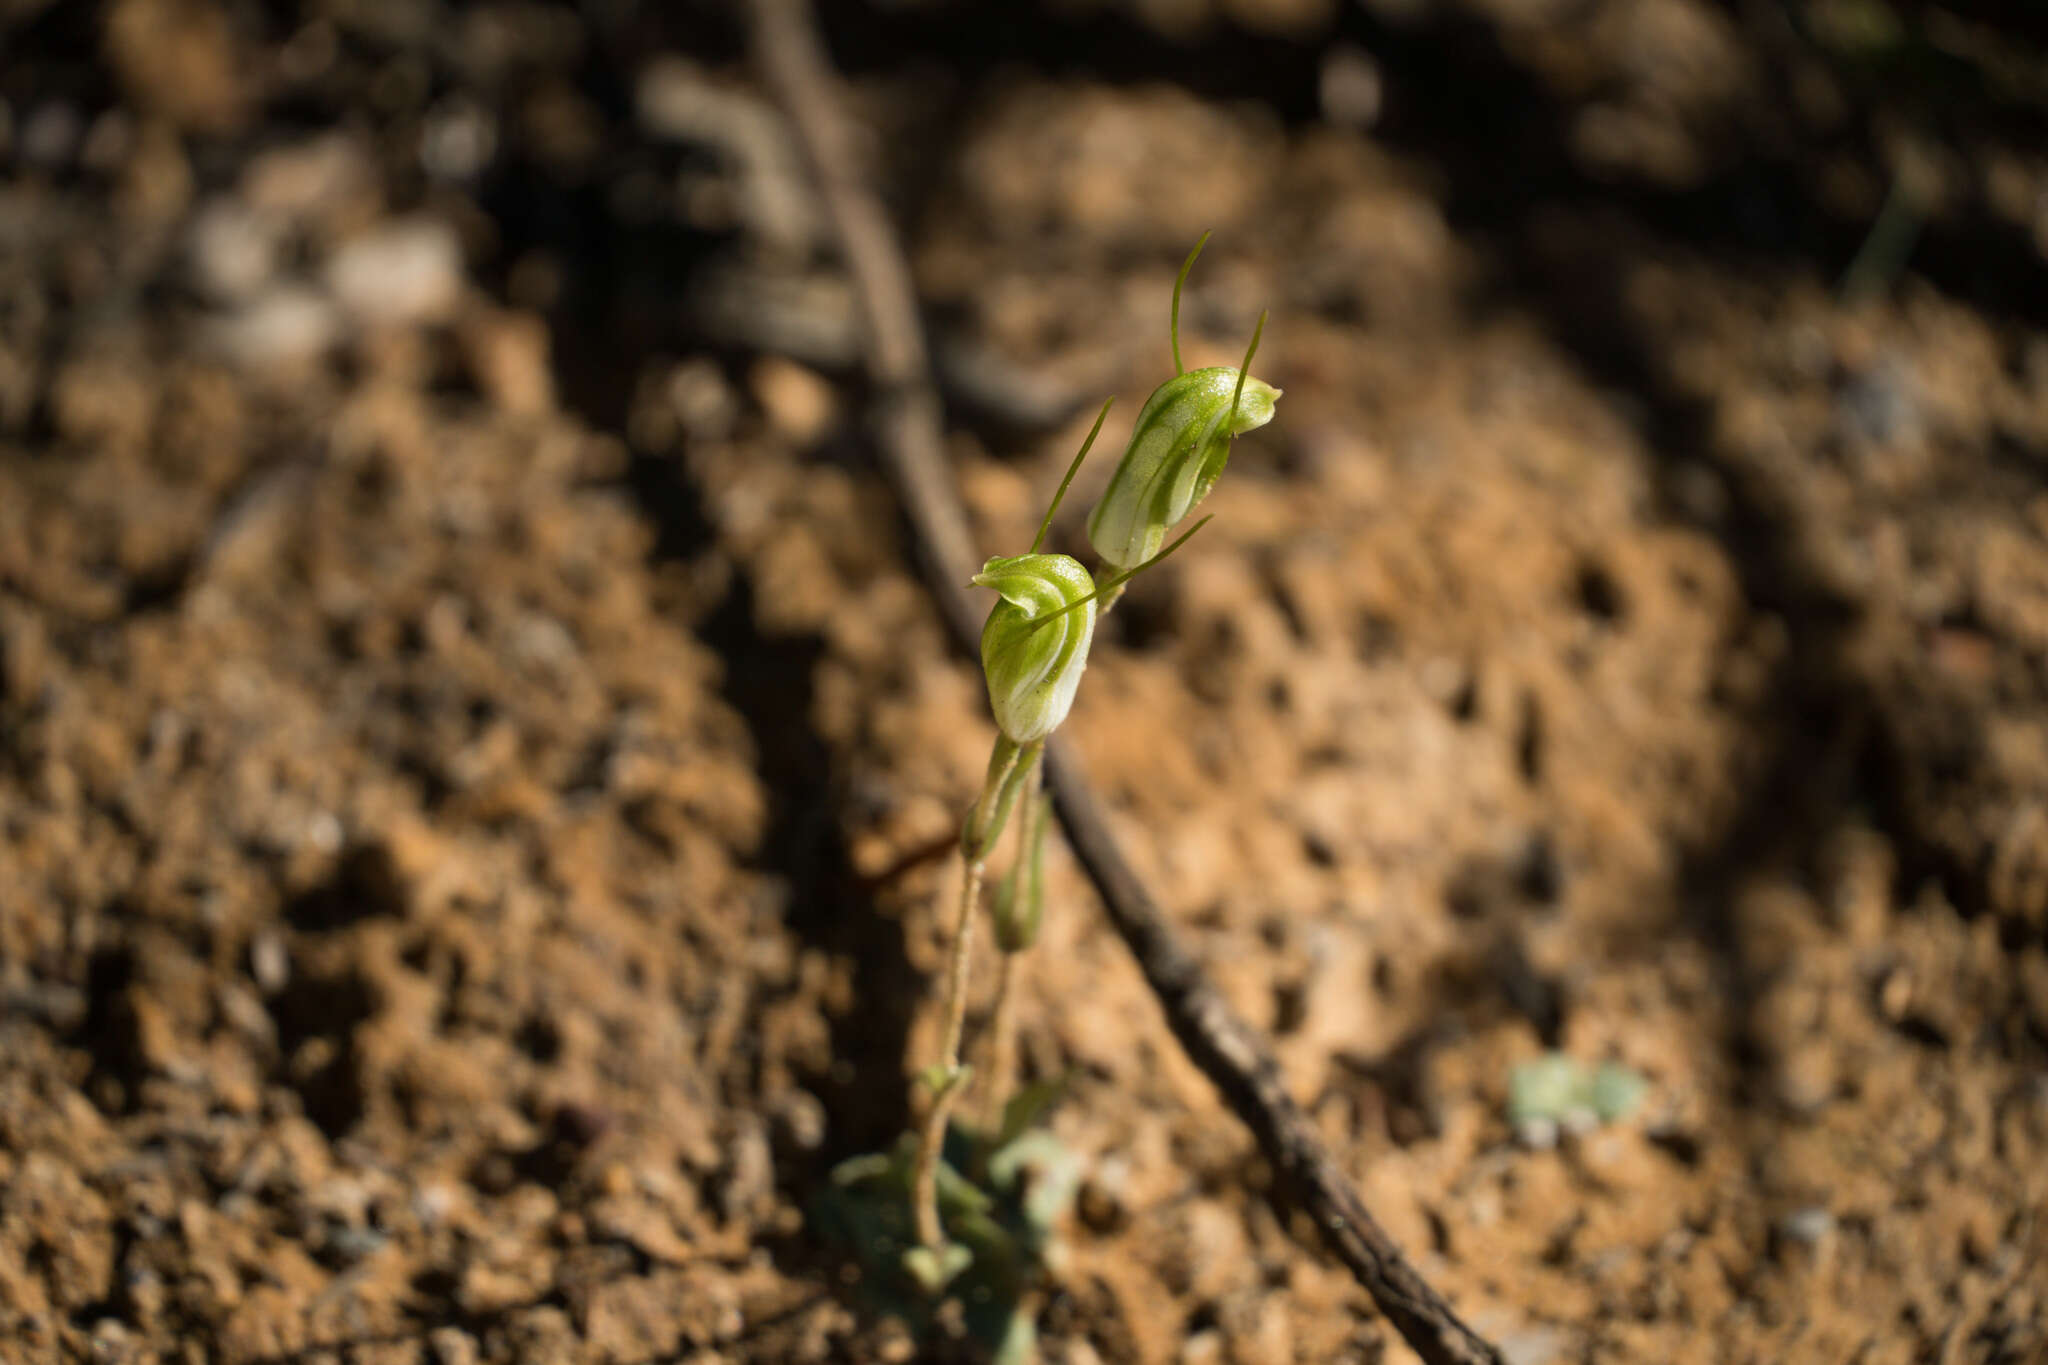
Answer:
[(1173, 322), (1038, 541), (1236, 394)]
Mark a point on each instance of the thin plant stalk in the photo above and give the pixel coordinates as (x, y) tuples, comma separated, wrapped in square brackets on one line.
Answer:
[(932, 1140), (1002, 1045), (947, 1076), (1009, 762)]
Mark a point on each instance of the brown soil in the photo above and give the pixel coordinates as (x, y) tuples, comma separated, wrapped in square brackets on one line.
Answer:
[(472, 739)]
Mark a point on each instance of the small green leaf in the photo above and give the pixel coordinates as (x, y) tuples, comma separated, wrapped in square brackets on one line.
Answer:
[(941, 1079), (1547, 1088), (856, 1170), (958, 1195), (934, 1269), (1027, 1105), (1558, 1088), (1054, 1175), (1020, 1341), (1615, 1092)]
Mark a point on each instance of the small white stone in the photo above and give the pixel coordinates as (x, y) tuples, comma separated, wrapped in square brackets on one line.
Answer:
[(1808, 1225), (286, 326), (1202, 1348), (404, 273), (270, 963), (458, 139), (1350, 88), (1533, 1346), (324, 832)]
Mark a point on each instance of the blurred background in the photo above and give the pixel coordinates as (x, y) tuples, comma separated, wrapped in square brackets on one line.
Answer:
[(473, 742)]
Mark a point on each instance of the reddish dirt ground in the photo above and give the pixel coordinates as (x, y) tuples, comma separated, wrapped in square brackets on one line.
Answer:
[(470, 725)]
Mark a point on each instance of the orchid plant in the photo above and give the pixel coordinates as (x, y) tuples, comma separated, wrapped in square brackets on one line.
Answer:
[(1034, 649)]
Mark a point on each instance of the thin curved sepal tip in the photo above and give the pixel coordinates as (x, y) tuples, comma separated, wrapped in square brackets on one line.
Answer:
[(1237, 394), (1173, 320), (1038, 542)]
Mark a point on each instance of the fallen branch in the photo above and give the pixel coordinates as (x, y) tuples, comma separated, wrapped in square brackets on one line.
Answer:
[(910, 439)]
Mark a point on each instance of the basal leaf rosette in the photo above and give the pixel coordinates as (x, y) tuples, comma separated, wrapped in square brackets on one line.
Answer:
[(1177, 451)]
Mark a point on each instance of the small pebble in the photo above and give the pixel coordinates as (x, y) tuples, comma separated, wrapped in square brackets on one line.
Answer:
[(458, 139), (1805, 1076), (1807, 1226), (800, 1119), (270, 962), (403, 273), (1202, 1348), (453, 1346), (702, 401), (1350, 88), (282, 328), (233, 250), (1532, 1346), (50, 135), (799, 403)]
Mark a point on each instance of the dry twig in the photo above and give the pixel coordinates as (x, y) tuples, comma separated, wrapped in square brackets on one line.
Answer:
[(909, 437)]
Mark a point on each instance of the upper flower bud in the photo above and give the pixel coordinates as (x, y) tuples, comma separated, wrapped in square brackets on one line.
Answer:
[(1034, 665), (1177, 451)]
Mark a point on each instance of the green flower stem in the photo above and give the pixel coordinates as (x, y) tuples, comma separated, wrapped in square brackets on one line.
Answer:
[(999, 788), (1002, 1042), (947, 1076)]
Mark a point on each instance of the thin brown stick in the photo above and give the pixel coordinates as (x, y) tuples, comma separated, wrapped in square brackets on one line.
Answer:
[(909, 437), (1241, 1065)]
